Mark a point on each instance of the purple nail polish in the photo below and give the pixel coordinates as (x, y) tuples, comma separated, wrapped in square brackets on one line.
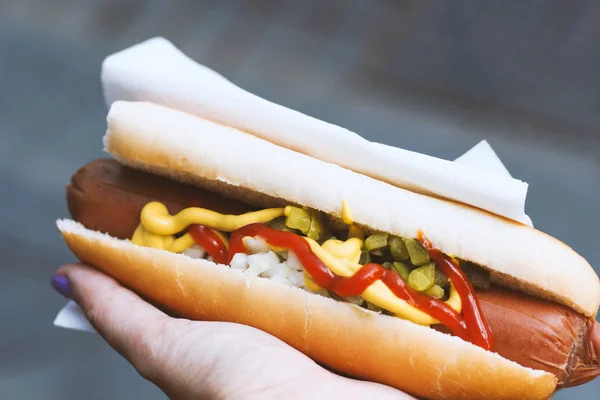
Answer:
[(62, 285)]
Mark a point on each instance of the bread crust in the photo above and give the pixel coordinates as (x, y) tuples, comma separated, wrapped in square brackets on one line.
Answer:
[(107, 197), (156, 71), (349, 339), (192, 150)]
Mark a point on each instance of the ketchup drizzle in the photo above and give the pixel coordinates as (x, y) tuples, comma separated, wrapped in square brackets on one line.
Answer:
[(479, 329), (211, 242), (465, 328)]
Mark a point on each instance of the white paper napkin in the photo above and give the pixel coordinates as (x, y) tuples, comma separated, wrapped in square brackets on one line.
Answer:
[(158, 72), (481, 156), (71, 317)]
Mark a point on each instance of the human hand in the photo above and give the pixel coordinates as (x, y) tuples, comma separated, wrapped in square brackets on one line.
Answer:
[(197, 360)]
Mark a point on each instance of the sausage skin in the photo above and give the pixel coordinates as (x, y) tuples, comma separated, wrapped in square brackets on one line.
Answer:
[(108, 197), (541, 334)]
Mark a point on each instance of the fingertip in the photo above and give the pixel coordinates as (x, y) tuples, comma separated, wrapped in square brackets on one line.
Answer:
[(62, 285), (61, 280), (117, 313), (128, 323), (77, 268)]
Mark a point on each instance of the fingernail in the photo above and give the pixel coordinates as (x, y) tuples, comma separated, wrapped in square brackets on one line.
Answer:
[(62, 285)]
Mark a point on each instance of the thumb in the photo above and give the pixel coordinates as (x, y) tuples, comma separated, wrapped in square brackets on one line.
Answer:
[(130, 325)]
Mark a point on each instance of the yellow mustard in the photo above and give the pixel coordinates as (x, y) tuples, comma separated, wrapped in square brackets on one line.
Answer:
[(156, 218), (346, 214), (344, 251), (143, 237), (378, 293), (342, 258), (158, 227)]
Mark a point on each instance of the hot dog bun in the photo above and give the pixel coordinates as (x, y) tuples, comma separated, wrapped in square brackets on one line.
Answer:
[(157, 71), (419, 360), (192, 150), (536, 333), (349, 339), (106, 196)]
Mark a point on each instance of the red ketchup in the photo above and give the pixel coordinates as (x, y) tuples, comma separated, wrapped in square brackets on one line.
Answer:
[(472, 327), (478, 329), (211, 242)]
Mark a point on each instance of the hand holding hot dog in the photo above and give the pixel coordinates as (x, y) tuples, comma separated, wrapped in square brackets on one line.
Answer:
[(203, 360), (225, 207), (106, 196), (317, 241)]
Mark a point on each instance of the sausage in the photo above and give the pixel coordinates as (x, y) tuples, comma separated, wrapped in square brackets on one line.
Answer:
[(540, 334), (108, 197), (536, 333)]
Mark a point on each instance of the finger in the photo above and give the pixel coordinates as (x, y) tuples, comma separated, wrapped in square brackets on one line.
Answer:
[(130, 325)]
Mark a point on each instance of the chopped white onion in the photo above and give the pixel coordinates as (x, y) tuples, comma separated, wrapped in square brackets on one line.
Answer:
[(261, 262), (297, 279), (265, 263), (239, 261), (276, 269), (280, 278), (195, 252), (255, 245), (293, 261)]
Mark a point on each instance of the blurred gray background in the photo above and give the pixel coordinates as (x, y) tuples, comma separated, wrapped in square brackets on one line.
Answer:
[(431, 77)]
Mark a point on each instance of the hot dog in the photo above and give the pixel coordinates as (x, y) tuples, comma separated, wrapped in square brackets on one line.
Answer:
[(543, 335), (337, 235), (108, 197)]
